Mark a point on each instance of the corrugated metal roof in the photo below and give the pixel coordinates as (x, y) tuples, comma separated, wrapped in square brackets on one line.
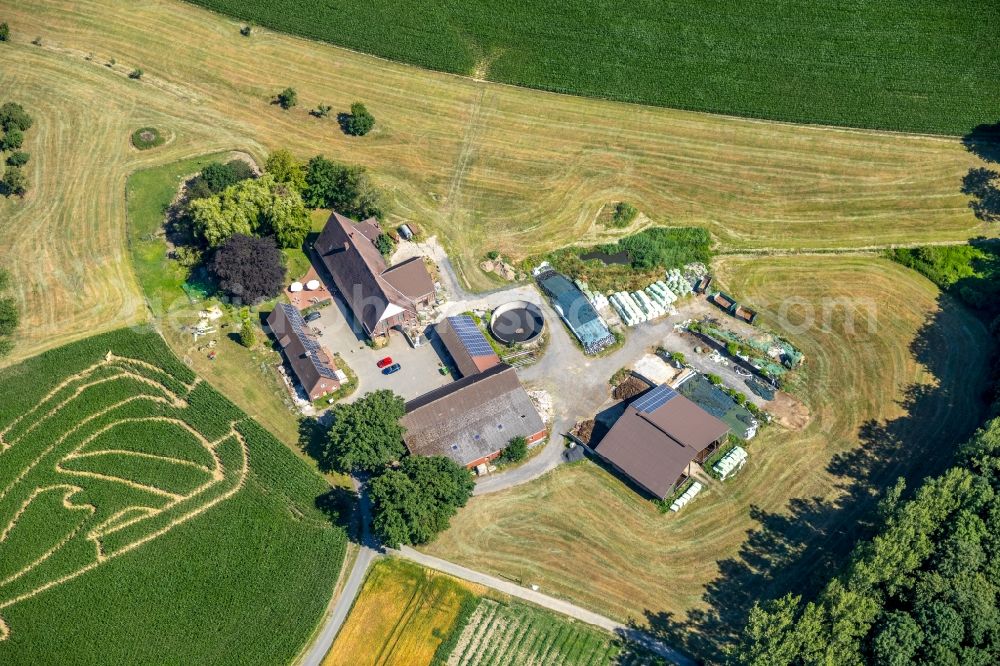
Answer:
[(471, 418)]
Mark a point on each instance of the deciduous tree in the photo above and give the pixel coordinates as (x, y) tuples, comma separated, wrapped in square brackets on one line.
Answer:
[(286, 169), (366, 434), (345, 189), (287, 98), (248, 269), (261, 207), (13, 116), (414, 503), (359, 122)]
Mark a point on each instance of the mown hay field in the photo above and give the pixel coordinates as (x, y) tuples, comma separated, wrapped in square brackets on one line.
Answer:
[(893, 378), (144, 517), (482, 166), (898, 65)]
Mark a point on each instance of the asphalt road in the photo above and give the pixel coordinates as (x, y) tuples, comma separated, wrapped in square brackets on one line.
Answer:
[(337, 614)]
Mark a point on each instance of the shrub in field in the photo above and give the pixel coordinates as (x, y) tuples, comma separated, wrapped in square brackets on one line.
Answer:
[(245, 31), (14, 182), (359, 121), (13, 116), (4, 32), (18, 158), (287, 98), (623, 215), (135, 74), (12, 139), (322, 111), (145, 138)]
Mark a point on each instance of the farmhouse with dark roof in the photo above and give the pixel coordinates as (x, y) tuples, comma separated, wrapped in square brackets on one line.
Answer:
[(380, 296)]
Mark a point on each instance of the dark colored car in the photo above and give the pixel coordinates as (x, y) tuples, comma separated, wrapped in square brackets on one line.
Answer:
[(391, 369), (384, 362), (313, 316)]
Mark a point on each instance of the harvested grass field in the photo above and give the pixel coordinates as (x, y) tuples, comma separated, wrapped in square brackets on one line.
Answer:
[(885, 401), (401, 616), (484, 166), (143, 517), (899, 65)]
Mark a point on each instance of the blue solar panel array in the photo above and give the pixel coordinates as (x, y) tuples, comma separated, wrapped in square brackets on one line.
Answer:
[(655, 399), (472, 338), (312, 347)]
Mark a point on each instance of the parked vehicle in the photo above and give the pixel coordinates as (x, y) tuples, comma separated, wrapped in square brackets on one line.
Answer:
[(391, 369), (312, 316), (384, 362)]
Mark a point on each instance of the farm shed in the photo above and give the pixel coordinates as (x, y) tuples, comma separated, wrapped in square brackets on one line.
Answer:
[(311, 364), (473, 419), (658, 436), (466, 345)]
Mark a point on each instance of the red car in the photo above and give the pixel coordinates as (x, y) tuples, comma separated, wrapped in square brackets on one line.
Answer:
[(384, 362)]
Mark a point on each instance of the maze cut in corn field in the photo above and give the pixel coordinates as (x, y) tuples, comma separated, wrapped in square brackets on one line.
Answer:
[(135, 499)]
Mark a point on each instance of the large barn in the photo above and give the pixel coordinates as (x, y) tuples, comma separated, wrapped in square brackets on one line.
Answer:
[(380, 296), (471, 420)]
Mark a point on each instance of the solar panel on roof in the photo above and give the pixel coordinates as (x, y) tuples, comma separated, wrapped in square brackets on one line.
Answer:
[(655, 399), (471, 337)]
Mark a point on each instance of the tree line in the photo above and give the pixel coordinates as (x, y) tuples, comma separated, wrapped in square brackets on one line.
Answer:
[(10, 317), (14, 122)]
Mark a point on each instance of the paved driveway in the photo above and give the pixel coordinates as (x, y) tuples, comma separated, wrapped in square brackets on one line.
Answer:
[(338, 332)]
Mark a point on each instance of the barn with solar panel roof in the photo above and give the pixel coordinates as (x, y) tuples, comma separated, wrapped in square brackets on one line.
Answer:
[(658, 439)]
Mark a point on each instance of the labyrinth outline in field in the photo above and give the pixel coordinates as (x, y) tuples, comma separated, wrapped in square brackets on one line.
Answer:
[(65, 464)]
